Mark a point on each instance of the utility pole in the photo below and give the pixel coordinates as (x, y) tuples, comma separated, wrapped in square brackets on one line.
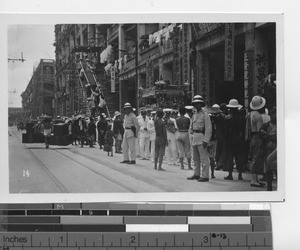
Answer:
[(17, 59)]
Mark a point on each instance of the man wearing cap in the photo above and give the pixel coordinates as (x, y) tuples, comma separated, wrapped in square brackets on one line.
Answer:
[(254, 124), (118, 130), (221, 131), (102, 128), (144, 135), (47, 124), (131, 127), (92, 131), (184, 147), (170, 126), (152, 133), (234, 140), (201, 132), (213, 114)]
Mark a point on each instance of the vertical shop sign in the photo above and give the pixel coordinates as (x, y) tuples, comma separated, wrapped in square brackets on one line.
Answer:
[(160, 69), (176, 56), (193, 81), (113, 79), (261, 66), (229, 52), (246, 79), (186, 52), (149, 73), (204, 76)]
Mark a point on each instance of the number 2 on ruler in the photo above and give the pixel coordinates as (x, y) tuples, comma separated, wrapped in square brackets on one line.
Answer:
[(132, 240)]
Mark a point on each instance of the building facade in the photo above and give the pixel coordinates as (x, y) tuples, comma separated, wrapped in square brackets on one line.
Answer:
[(233, 60), (38, 97), (161, 64), (77, 48)]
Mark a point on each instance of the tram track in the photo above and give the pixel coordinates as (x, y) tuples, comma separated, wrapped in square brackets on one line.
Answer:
[(61, 187), (96, 172)]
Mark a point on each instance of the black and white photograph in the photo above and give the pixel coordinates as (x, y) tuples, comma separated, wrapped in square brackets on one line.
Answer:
[(144, 107), (186, 106)]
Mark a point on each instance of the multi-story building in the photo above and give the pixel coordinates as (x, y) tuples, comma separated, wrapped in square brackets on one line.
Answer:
[(75, 44), (38, 97), (233, 60), (163, 64), (15, 115), (66, 83)]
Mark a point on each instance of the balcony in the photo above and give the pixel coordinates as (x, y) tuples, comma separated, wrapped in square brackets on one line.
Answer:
[(149, 52), (129, 65), (114, 32)]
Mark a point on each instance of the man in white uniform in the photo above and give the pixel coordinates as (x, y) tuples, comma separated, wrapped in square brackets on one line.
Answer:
[(131, 127), (171, 130), (144, 135), (201, 130)]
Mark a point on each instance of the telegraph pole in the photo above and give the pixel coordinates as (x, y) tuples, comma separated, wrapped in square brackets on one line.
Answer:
[(17, 59)]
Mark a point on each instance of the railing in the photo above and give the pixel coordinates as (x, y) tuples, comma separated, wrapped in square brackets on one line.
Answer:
[(149, 52)]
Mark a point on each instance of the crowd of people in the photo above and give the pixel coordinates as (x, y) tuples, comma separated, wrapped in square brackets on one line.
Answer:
[(222, 137)]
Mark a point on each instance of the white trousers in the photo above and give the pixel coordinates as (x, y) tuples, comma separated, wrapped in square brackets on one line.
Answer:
[(144, 146), (152, 149), (201, 160), (171, 150), (129, 149)]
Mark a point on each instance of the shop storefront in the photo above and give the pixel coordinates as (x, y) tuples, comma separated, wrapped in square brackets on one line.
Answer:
[(233, 59)]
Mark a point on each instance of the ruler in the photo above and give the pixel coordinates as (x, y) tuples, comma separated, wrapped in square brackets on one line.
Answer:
[(135, 226)]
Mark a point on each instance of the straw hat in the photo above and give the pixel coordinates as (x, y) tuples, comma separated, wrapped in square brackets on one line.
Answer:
[(189, 107), (216, 106), (167, 110), (117, 113), (233, 103), (198, 99), (213, 110), (127, 105), (257, 102)]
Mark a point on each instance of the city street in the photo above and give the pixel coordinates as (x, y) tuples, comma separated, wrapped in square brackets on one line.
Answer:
[(71, 169)]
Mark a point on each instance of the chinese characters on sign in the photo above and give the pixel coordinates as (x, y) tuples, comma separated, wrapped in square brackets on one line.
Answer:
[(246, 79), (149, 73), (261, 66), (176, 56), (204, 76), (229, 52), (160, 69), (113, 79), (185, 53)]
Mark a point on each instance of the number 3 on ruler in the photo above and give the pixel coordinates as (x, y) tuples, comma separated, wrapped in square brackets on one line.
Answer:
[(205, 239)]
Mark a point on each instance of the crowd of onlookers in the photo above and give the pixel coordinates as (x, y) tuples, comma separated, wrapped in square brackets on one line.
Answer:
[(222, 137)]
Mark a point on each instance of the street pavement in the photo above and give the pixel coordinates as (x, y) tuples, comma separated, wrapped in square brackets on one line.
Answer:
[(72, 169)]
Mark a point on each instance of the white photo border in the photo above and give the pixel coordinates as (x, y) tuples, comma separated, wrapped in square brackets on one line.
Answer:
[(14, 19)]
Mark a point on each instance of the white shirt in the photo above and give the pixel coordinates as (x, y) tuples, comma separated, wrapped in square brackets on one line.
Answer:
[(143, 125)]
